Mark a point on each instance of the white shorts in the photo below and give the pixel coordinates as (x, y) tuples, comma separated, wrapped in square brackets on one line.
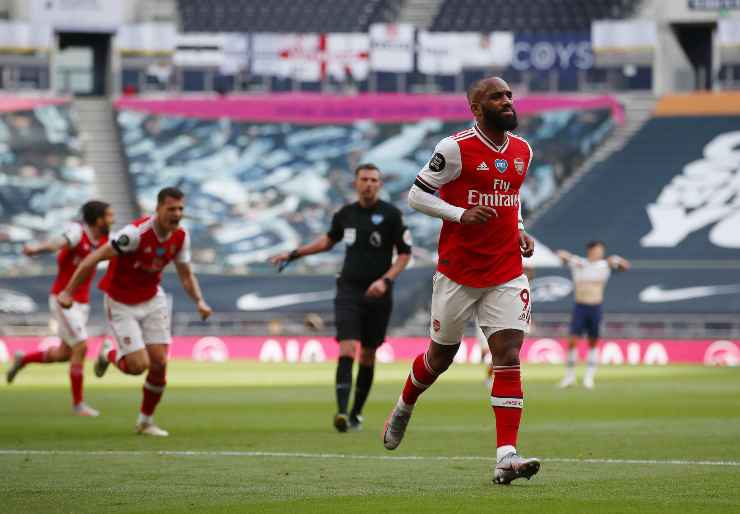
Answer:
[(135, 326), (480, 336), (72, 322), (506, 306)]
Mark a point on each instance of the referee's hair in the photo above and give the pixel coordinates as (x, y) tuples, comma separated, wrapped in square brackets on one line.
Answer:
[(366, 166)]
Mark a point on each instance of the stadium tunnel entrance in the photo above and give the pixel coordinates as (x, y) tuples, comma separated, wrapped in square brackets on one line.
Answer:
[(696, 41), (82, 63)]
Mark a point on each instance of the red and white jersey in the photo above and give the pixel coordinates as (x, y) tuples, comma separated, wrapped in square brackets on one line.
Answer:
[(134, 275), (80, 244), (468, 169)]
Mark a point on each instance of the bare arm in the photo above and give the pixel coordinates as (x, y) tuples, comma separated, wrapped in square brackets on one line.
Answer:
[(380, 286), (618, 263), (192, 287), (49, 246), (83, 272), (402, 260), (565, 257), (318, 245)]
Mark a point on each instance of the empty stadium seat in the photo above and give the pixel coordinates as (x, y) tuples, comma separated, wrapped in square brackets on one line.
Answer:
[(255, 189), (532, 16), (284, 15), (43, 178)]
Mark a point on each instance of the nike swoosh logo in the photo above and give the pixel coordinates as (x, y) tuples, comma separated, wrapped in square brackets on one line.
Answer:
[(656, 294), (255, 302)]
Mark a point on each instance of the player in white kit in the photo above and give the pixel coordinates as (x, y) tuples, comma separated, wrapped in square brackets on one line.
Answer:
[(590, 276)]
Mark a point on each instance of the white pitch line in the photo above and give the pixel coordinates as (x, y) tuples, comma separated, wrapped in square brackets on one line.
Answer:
[(336, 456)]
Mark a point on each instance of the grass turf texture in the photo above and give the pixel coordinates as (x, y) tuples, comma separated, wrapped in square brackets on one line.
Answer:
[(667, 413)]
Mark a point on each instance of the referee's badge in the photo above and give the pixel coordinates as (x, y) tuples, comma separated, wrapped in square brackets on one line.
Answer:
[(350, 236), (377, 219), (376, 239)]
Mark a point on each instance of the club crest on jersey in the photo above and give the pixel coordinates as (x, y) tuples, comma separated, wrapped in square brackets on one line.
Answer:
[(501, 165), (482, 166), (519, 165), (377, 219), (437, 162)]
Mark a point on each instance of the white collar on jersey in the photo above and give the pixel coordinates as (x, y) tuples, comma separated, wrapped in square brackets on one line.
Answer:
[(87, 230), (489, 142)]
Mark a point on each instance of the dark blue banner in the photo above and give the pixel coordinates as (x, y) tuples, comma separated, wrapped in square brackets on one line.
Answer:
[(567, 51)]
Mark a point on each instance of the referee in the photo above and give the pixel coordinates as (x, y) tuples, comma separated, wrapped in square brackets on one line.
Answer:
[(370, 228)]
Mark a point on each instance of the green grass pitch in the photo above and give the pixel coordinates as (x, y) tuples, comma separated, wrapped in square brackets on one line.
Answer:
[(249, 437)]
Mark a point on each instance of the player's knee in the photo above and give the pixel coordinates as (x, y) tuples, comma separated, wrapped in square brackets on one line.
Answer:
[(61, 353), (136, 365), (367, 356), (77, 354), (347, 348), (508, 356), (136, 369), (440, 357)]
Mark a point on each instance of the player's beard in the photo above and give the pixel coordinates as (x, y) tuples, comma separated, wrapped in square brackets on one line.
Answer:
[(498, 121)]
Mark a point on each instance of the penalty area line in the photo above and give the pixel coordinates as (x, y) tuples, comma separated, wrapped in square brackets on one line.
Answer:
[(347, 456)]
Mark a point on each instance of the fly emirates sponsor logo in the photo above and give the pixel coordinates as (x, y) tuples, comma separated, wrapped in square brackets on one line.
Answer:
[(500, 197)]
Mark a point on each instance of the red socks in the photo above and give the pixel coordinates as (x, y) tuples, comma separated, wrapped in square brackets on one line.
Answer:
[(112, 357), (75, 381), (419, 380), (37, 357), (153, 390), (507, 400)]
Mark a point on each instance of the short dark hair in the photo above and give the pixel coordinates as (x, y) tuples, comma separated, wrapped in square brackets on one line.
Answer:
[(169, 192), (592, 244), (478, 86), (93, 210), (366, 166)]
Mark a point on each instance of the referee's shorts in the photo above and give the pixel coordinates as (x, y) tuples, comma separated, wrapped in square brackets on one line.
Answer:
[(361, 318)]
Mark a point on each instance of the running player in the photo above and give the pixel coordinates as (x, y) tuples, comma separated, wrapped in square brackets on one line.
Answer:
[(76, 242), (590, 276), (478, 173), (135, 304), (371, 229)]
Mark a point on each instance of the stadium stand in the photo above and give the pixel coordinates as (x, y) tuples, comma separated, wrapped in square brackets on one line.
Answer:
[(259, 188), (43, 175), (284, 15), (538, 16)]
